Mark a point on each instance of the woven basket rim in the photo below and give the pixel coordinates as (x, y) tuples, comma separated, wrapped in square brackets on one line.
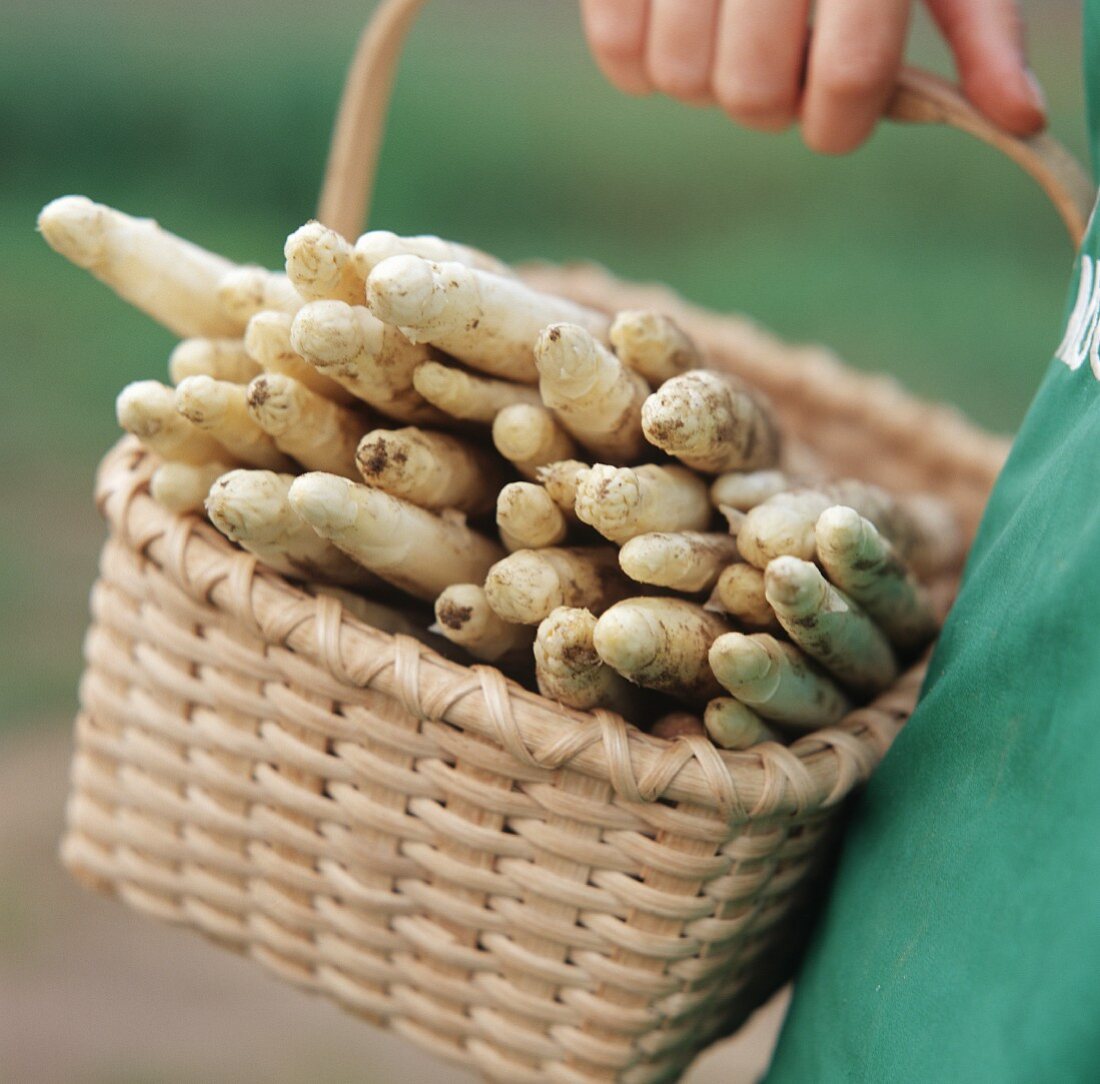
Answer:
[(815, 772)]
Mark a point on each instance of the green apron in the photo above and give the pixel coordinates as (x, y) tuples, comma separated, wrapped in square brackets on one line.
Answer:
[(961, 942)]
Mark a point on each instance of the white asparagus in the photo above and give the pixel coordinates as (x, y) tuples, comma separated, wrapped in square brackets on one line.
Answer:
[(378, 245), (863, 564), (371, 360), (784, 525), (432, 470), (245, 291), (529, 437), (147, 410), (922, 528), (624, 502), (569, 670), (220, 409), (744, 490), (777, 681), (678, 724), (415, 550), (653, 345), (170, 279), (735, 519), (661, 643), (182, 487), (685, 561), (467, 397), (711, 422), (527, 585), (733, 725), (464, 617), (528, 518), (488, 321), (829, 626), (596, 398), (320, 263), (877, 505), (222, 359), (320, 434), (267, 340), (739, 592), (252, 508), (560, 481)]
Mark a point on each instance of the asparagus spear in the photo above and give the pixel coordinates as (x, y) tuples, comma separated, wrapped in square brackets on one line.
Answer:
[(528, 519), (464, 617), (321, 264), (527, 585), (661, 643), (596, 398), (829, 626), (624, 502), (569, 670), (865, 567), (776, 680), (433, 470), (221, 359), (653, 345), (711, 422), (221, 409), (488, 321), (683, 561), (147, 410), (415, 550), (317, 432), (172, 280)]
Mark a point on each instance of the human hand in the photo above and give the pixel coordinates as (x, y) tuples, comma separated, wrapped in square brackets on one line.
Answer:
[(757, 60)]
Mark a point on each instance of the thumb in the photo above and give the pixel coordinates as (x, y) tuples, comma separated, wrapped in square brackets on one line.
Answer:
[(987, 39)]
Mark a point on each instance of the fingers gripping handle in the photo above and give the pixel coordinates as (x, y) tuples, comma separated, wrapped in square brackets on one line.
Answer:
[(920, 98), (923, 98)]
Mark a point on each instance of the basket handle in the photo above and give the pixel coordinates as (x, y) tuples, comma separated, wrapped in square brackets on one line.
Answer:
[(920, 98)]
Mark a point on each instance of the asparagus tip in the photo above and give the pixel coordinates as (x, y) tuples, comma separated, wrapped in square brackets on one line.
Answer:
[(399, 289), (74, 226), (792, 583), (738, 660), (626, 639), (324, 501)]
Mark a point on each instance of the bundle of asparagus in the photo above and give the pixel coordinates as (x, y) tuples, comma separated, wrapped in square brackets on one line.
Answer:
[(406, 418)]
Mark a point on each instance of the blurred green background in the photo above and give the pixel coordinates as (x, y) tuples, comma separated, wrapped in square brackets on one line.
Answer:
[(923, 255)]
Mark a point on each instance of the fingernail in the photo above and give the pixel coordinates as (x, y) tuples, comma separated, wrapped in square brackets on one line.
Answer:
[(1038, 98)]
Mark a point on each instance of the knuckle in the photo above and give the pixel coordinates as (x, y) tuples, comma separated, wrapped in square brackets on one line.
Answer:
[(770, 108), (611, 36), (614, 47), (676, 79), (855, 77)]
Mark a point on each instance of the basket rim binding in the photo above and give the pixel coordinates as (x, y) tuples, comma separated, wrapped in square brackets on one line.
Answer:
[(815, 772)]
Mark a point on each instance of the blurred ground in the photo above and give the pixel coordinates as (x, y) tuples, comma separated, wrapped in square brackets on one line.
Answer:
[(922, 256)]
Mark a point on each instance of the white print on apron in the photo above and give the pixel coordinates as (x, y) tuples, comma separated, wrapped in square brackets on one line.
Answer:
[(1082, 338)]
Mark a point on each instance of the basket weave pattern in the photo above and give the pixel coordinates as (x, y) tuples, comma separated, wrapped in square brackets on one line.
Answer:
[(538, 893)]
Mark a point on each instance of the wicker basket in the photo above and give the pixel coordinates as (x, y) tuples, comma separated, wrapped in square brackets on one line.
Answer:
[(538, 893)]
